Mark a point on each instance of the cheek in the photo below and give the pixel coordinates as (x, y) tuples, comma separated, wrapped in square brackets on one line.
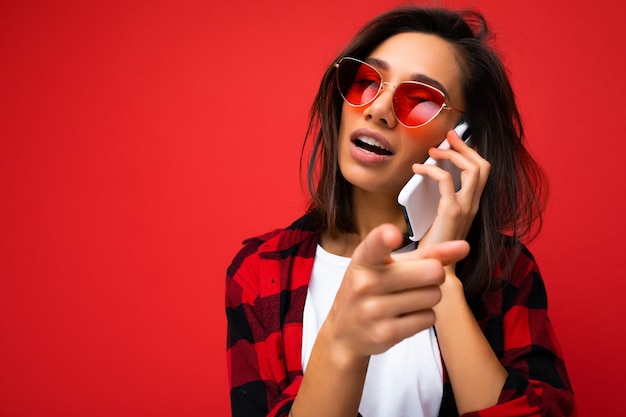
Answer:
[(350, 114), (416, 149), (420, 140), (418, 156), (349, 117)]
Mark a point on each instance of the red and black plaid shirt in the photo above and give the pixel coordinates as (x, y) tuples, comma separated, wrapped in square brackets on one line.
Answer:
[(266, 289)]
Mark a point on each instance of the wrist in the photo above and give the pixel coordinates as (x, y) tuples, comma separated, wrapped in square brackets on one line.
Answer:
[(452, 285), (339, 354), (452, 294)]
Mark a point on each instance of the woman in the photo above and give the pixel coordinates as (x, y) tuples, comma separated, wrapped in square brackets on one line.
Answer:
[(340, 314)]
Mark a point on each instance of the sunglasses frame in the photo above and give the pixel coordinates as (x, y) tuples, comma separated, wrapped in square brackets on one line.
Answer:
[(444, 105)]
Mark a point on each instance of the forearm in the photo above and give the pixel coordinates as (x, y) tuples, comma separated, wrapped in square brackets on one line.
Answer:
[(475, 373), (332, 384)]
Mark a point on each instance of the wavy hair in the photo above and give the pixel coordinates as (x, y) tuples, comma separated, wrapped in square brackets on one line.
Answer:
[(514, 198)]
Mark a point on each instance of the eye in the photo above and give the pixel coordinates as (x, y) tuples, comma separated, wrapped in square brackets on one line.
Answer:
[(366, 77), (417, 94), (415, 103)]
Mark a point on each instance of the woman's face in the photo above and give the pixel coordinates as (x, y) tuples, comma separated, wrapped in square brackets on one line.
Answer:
[(403, 57)]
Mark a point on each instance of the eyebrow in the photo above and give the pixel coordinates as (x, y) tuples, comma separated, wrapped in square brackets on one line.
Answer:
[(383, 65)]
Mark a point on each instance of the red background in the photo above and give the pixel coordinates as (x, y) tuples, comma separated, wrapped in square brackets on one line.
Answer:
[(141, 141)]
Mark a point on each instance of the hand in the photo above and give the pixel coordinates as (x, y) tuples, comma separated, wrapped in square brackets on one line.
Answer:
[(456, 210), (386, 298)]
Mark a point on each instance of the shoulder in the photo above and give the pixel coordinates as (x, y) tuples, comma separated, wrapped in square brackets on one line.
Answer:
[(518, 267), (517, 281), (271, 263), (297, 239), (516, 277)]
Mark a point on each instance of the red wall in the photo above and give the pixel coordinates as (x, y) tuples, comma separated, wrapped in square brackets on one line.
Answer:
[(141, 141)]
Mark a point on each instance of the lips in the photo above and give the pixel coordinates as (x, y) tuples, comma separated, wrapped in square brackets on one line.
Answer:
[(371, 142), (371, 145)]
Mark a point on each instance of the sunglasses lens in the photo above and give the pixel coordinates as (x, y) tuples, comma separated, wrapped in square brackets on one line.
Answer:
[(416, 104), (358, 83)]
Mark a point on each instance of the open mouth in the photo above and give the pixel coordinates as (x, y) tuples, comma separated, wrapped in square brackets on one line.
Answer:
[(371, 145)]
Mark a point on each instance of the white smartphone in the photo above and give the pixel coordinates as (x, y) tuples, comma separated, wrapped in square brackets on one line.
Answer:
[(420, 196)]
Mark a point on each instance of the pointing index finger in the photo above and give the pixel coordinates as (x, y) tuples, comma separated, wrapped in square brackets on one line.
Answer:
[(447, 253)]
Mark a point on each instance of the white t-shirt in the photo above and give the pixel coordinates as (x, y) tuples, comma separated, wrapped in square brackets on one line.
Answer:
[(405, 381)]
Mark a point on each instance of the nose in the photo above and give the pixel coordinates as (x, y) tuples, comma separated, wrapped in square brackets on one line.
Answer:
[(381, 109)]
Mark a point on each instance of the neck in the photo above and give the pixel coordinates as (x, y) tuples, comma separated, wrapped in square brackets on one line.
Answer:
[(370, 211)]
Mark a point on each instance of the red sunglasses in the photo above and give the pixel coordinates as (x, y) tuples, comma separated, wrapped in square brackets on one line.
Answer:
[(414, 103)]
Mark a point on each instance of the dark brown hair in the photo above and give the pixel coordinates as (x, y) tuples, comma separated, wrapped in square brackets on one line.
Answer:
[(514, 196)]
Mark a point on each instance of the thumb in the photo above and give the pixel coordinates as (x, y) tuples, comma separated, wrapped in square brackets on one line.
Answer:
[(375, 249), (448, 252)]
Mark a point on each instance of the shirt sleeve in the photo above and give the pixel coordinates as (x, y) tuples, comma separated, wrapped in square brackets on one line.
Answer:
[(258, 378), (520, 331)]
